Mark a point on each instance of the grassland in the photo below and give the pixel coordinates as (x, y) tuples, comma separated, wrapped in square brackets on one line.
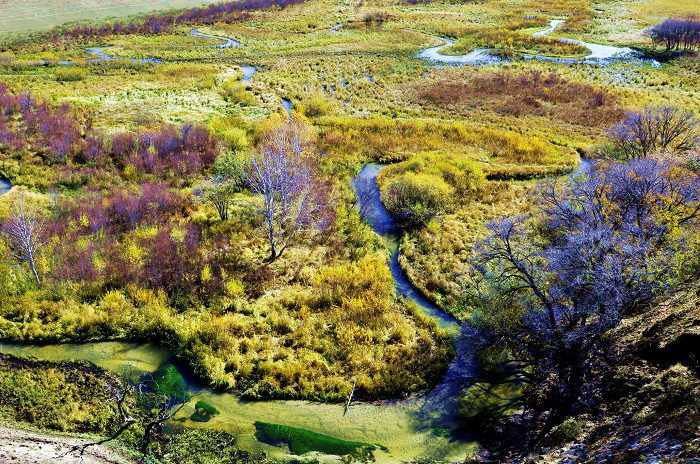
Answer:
[(21, 17), (291, 328)]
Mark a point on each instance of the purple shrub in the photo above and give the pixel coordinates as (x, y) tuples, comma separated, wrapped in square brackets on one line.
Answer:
[(676, 33), (614, 242), (667, 130), (225, 12), (168, 150)]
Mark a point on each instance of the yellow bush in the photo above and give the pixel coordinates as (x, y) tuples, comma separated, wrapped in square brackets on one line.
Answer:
[(368, 277)]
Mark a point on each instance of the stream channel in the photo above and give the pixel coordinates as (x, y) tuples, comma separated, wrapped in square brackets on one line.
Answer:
[(5, 186), (599, 54)]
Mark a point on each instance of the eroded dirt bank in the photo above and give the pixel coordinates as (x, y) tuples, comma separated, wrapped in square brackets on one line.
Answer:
[(29, 447)]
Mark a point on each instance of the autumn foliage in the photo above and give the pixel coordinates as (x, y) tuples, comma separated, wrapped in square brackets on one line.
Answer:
[(62, 135), (227, 12), (526, 93)]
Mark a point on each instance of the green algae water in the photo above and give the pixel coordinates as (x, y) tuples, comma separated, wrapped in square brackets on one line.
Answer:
[(400, 431)]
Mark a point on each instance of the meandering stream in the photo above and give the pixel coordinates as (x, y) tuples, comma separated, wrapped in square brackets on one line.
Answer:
[(99, 52), (228, 42), (599, 54), (421, 427)]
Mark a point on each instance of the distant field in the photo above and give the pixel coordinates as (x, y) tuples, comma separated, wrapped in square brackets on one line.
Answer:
[(17, 16)]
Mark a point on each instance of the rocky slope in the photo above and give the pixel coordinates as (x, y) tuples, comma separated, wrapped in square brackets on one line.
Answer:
[(646, 399)]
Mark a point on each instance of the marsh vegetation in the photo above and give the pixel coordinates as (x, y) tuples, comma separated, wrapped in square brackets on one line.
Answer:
[(185, 178)]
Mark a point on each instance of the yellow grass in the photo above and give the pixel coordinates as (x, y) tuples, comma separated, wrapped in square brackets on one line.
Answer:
[(22, 16)]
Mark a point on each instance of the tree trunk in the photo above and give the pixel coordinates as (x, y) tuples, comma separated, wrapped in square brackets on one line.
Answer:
[(146, 440), (36, 275), (273, 252)]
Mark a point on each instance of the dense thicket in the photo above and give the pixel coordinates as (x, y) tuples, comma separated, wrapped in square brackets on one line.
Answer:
[(676, 33), (606, 246), (61, 135)]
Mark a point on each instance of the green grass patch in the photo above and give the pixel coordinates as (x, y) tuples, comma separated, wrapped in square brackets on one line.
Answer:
[(301, 441)]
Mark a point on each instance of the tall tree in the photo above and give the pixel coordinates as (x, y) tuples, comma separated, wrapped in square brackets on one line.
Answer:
[(25, 233), (611, 243), (284, 172)]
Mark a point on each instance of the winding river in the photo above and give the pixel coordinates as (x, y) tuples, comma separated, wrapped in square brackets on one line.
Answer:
[(228, 42), (99, 52), (599, 54)]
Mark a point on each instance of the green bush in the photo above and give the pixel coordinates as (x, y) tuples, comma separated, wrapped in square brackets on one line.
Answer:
[(416, 198), (565, 432)]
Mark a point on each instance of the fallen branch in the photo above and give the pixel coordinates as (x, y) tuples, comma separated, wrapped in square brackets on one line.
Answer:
[(347, 405)]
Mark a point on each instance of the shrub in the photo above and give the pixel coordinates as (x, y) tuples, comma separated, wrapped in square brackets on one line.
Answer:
[(70, 74), (565, 432), (231, 131), (415, 199), (667, 131)]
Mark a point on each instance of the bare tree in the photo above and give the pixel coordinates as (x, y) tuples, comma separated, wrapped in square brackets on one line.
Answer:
[(284, 172), (25, 233), (166, 407), (655, 130), (675, 32), (604, 247), (120, 392)]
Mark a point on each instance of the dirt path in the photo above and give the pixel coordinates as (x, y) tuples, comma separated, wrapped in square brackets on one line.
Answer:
[(28, 447)]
